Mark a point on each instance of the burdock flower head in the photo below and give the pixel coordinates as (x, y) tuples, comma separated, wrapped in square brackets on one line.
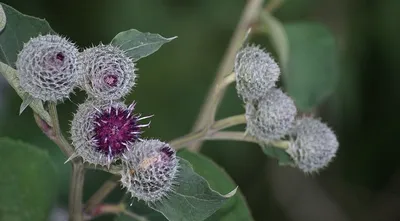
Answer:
[(150, 170), (103, 131), (272, 117), (108, 73), (256, 72), (313, 144), (48, 67)]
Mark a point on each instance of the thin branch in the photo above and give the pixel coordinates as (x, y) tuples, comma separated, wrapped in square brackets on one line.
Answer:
[(182, 142), (76, 191), (101, 193), (207, 113), (60, 139), (134, 215), (232, 135)]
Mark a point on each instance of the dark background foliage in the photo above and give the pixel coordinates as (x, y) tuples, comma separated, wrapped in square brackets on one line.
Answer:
[(363, 183)]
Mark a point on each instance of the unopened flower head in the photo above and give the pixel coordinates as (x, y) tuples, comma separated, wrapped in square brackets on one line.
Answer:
[(103, 131), (313, 145), (272, 116), (48, 67), (108, 73), (150, 170), (256, 72)]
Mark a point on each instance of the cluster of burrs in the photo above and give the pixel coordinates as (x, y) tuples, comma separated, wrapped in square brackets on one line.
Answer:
[(104, 130), (272, 115)]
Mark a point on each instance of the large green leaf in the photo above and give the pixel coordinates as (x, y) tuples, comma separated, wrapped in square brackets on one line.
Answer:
[(139, 45), (236, 208), (193, 199), (18, 30), (27, 186), (311, 73)]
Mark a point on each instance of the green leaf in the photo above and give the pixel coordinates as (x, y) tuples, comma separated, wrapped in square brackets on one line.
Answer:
[(312, 70), (18, 30), (278, 153), (236, 208), (27, 187), (193, 199), (139, 45)]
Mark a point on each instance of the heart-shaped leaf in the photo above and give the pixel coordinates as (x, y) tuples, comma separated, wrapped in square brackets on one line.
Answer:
[(138, 45)]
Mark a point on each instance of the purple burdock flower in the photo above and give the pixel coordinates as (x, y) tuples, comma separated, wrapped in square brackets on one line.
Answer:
[(103, 131)]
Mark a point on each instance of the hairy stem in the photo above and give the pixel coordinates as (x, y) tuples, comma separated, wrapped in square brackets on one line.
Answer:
[(207, 113), (78, 168), (76, 191), (101, 193), (64, 145)]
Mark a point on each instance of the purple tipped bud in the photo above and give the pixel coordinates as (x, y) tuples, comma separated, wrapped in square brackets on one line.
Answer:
[(102, 131), (149, 170), (48, 67), (109, 73), (313, 145)]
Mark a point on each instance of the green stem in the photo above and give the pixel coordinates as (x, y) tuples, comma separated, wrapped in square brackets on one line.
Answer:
[(76, 191), (207, 113), (182, 142), (64, 145), (101, 193)]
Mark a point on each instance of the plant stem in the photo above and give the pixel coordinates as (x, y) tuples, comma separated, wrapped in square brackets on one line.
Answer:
[(78, 168), (101, 193), (76, 191), (181, 142), (134, 216), (231, 135), (207, 113), (64, 145)]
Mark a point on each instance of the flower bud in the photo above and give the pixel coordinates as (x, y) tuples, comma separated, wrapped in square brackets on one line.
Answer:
[(102, 131), (48, 67), (150, 170), (108, 73), (272, 117), (256, 72), (313, 145)]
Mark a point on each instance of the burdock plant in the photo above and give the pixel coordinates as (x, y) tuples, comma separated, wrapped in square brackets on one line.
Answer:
[(107, 133)]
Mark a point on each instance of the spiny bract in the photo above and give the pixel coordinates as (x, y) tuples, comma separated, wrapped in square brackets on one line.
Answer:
[(272, 117), (102, 131), (256, 72), (108, 73), (313, 145), (150, 170), (48, 67)]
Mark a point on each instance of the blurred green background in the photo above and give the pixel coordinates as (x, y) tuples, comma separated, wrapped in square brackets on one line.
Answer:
[(363, 183)]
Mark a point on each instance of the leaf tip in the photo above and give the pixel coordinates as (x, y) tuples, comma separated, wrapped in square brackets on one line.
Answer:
[(232, 193), (172, 38)]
